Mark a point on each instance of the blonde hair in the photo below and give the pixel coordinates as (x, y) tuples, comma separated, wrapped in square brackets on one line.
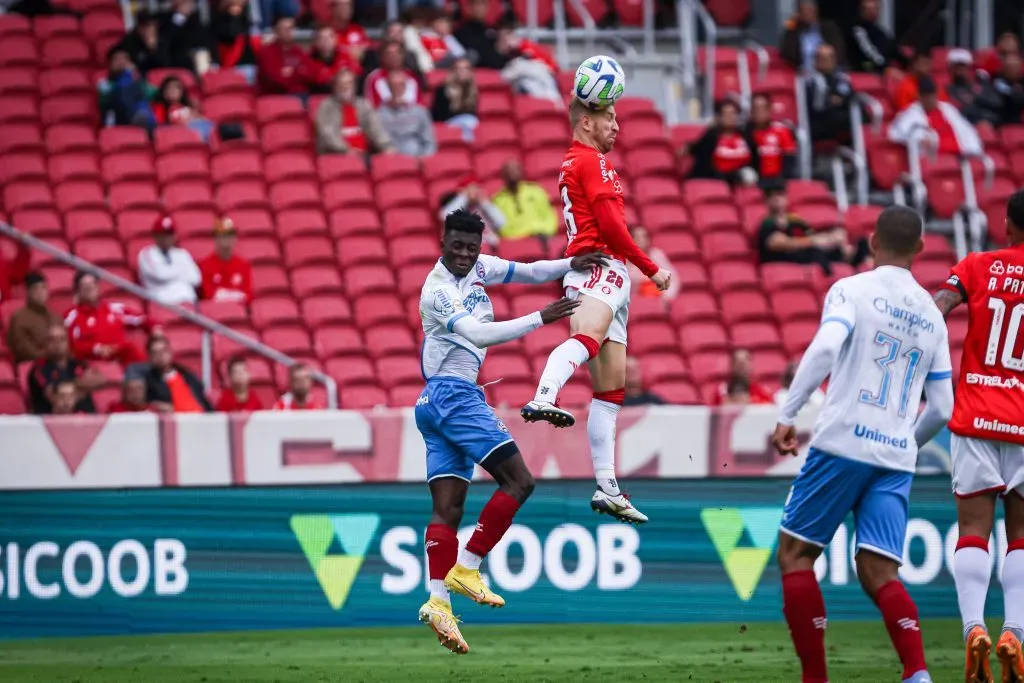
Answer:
[(577, 110)]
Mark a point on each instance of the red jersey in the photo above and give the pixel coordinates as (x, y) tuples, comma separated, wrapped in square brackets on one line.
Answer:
[(287, 402), (104, 323), (229, 280), (731, 153), (774, 142), (990, 394), (229, 403), (594, 209)]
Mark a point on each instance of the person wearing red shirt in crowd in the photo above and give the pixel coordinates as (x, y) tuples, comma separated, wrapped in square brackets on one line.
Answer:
[(238, 397), (327, 59), (936, 125), (300, 396), (392, 58), (226, 277), (133, 397), (740, 387), (726, 152), (232, 27), (284, 68), (352, 38), (347, 124), (907, 91), (98, 328), (13, 272), (775, 142)]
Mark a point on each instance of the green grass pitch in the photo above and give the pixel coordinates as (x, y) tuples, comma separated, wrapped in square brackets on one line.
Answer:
[(858, 651)]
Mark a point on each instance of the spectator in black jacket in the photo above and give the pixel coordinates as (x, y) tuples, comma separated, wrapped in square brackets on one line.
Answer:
[(57, 367), (1003, 98), (869, 48), (726, 151), (479, 38), (829, 96), (170, 388), (189, 43), (231, 28), (963, 90), (144, 46), (805, 33), (455, 100)]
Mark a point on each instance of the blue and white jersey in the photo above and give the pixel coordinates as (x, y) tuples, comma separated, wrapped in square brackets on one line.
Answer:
[(445, 299), (897, 341)]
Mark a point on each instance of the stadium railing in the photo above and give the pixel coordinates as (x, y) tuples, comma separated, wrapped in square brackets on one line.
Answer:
[(209, 327)]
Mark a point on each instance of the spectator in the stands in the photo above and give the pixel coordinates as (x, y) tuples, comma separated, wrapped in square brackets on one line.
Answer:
[(124, 95), (640, 284), (13, 271), (785, 237), (352, 38), (166, 270), (237, 396), (478, 37), (172, 106), (189, 43), (438, 48), (133, 394), (470, 196), (300, 391), (829, 96), (1007, 44), (936, 126), (407, 124), (524, 205), (236, 45), (225, 275), (964, 91), (776, 144), (725, 151), (530, 68), (394, 32), (346, 123), (455, 100), (377, 88), (816, 399), (740, 387), (327, 59), (284, 67), (56, 366), (144, 45), (920, 67), (805, 33), (171, 388), (1003, 97), (635, 391), (29, 327), (64, 399), (870, 48), (98, 329)]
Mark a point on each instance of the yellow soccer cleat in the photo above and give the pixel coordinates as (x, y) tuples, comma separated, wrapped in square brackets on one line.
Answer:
[(469, 583), (976, 667), (437, 614), (1009, 653)]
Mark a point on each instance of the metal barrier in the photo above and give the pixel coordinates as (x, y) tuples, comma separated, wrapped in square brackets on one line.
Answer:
[(210, 327)]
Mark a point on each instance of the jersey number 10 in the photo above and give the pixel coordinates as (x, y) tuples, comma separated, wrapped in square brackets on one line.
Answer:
[(887, 362), (998, 308)]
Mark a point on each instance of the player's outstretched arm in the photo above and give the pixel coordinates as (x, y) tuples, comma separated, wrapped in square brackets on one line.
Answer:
[(482, 334), (539, 272), (612, 223), (947, 300)]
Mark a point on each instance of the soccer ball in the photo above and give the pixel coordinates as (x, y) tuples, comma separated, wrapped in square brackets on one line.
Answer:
[(599, 82)]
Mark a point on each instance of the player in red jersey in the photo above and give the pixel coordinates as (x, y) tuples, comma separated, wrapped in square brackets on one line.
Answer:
[(988, 442), (595, 221)]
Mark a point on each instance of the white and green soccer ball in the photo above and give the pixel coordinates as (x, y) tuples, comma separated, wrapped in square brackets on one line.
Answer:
[(599, 82)]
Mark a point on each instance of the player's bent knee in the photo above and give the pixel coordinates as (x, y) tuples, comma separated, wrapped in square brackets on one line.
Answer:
[(874, 571), (795, 555)]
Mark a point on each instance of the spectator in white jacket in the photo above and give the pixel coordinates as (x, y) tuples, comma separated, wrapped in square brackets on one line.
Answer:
[(168, 271), (936, 126)]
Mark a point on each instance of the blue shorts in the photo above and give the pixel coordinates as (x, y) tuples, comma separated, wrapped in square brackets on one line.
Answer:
[(459, 428), (829, 488)]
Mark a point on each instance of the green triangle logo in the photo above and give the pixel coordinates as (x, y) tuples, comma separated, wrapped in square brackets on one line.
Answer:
[(335, 573), (744, 566)]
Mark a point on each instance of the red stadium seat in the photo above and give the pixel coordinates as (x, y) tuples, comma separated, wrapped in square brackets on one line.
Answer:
[(495, 133), (124, 196), (305, 251), (725, 246), (178, 139), (274, 311), (661, 367), (19, 81), (798, 336), (39, 222), (225, 81), (288, 340), (716, 218), (89, 223), (399, 222), (79, 195), (19, 109), (271, 108), (700, 192), (512, 394), (355, 221), (269, 280), (332, 341), (348, 194), (20, 196), (789, 305), (377, 309), (301, 222), (295, 194), (393, 166), (360, 280), (776, 276), (731, 275), (412, 250), (66, 51), (182, 166), (23, 167), (229, 108), (19, 51), (887, 163), (455, 164), (235, 195), (236, 164), (657, 189), (695, 337), (803, 192), (665, 217), (363, 397), (69, 109), (96, 25), (508, 367), (14, 25), (290, 166), (821, 217), (391, 340), (744, 306), (115, 139), (339, 167), (79, 166), (544, 133), (356, 251), (709, 367), (128, 166), (188, 194), (755, 335), (860, 220), (694, 306), (650, 337)]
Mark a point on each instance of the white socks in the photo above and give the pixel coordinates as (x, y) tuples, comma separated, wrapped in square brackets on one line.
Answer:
[(469, 560), (562, 362), (972, 570), (1013, 592), (601, 434), (439, 590)]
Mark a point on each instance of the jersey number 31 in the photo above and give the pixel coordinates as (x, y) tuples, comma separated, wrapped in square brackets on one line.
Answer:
[(887, 362)]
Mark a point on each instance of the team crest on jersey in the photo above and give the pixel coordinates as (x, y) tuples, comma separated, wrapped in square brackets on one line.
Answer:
[(835, 298), (997, 268), (480, 270), (501, 426)]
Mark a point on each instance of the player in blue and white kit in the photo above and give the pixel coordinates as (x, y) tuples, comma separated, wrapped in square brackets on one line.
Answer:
[(459, 428), (882, 342)]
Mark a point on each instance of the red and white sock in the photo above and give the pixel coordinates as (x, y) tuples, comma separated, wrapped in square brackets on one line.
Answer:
[(1013, 588), (972, 570), (604, 413), (804, 607), (563, 361), (900, 616), (495, 519), (442, 548)]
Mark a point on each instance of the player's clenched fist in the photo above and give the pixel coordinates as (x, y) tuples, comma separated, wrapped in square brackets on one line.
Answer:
[(587, 261), (557, 310), (662, 279), (784, 439)]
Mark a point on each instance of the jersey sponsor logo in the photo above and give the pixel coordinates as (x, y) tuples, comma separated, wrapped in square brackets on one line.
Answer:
[(477, 296), (567, 163), (862, 432), (423, 400), (911, 319), (993, 381), (1000, 268), (997, 426)]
